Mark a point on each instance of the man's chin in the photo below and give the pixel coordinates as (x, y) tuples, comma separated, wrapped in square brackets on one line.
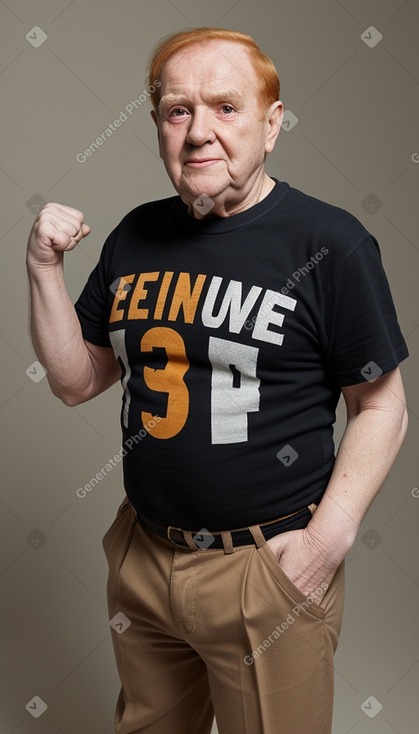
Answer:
[(203, 186)]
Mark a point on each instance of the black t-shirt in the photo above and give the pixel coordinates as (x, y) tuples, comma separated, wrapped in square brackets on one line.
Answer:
[(234, 336)]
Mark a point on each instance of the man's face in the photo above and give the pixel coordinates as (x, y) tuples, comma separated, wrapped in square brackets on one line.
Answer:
[(214, 130)]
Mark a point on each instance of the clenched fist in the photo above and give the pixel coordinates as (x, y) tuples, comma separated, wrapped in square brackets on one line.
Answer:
[(56, 229)]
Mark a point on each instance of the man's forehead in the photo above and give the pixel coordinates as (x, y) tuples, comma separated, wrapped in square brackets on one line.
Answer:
[(215, 64)]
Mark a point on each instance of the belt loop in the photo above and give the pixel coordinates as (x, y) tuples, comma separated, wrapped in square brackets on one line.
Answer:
[(227, 541), (188, 537), (258, 536)]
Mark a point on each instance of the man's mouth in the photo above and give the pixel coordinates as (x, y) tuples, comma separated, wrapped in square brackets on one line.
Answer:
[(202, 162)]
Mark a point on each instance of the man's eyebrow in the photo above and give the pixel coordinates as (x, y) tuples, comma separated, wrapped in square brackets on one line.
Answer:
[(216, 96), (224, 94), (171, 98)]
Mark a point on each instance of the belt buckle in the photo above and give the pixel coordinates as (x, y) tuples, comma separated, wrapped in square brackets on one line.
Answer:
[(172, 527)]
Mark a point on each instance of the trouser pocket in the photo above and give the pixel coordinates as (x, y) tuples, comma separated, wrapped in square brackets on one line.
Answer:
[(327, 594), (116, 543)]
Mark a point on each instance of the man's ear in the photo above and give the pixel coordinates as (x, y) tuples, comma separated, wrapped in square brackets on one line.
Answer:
[(274, 118), (154, 117)]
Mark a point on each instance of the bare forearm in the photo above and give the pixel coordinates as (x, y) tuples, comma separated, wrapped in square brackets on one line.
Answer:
[(368, 449), (77, 370), (56, 333), (367, 452)]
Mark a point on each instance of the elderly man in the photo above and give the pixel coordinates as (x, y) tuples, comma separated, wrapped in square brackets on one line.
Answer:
[(235, 314)]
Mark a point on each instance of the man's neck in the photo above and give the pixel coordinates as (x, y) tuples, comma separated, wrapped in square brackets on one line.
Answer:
[(228, 208)]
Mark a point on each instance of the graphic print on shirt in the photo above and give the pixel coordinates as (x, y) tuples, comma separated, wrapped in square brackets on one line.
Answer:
[(234, 380)]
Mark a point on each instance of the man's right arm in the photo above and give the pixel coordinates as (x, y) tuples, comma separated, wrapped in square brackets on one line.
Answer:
[(77, 370)]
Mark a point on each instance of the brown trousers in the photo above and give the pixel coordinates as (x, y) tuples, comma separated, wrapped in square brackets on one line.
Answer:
[(203, 632)]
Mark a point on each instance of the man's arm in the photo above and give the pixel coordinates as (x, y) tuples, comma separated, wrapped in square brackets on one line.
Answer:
[(375, 430), (76, 369)]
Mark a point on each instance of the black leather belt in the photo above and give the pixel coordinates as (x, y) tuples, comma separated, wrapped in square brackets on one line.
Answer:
[(205, 539)]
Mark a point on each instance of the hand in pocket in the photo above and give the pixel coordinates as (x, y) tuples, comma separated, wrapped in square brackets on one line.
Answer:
[(306, 565)]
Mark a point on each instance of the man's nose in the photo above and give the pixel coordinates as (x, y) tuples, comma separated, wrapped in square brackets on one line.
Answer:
[(200, 129)]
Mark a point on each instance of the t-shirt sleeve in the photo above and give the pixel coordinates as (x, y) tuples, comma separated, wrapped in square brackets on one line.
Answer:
[(364, 337), (94, 302)]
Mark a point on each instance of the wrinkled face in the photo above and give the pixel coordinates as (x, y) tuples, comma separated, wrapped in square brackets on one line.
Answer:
[(214, 130)]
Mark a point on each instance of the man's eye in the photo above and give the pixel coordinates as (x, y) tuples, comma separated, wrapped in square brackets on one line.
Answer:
[(227, 109), (178, 112)]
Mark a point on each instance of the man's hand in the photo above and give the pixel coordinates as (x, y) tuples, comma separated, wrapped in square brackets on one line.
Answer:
[(306, 560), (56, 229)]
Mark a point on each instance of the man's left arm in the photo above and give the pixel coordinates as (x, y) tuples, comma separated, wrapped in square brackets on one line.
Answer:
[(375, 430)]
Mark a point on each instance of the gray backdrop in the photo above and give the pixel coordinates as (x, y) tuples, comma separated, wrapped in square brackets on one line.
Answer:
[(349, 82)]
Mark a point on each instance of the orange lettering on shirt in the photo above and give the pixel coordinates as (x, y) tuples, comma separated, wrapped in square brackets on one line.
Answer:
[(183, 297), (168, 380), (140, 294)]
